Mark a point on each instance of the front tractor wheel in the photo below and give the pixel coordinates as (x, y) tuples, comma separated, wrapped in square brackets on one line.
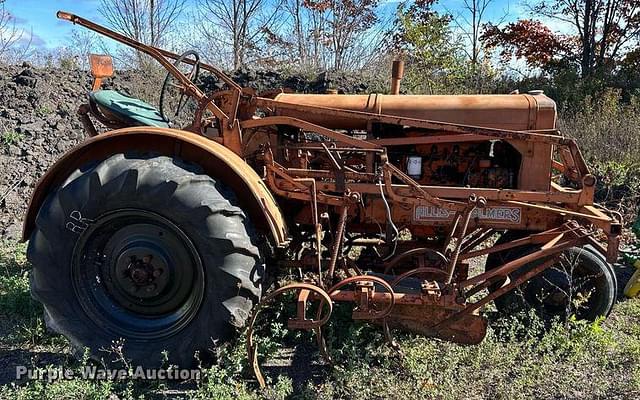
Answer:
[(581, 283), (147, 251)]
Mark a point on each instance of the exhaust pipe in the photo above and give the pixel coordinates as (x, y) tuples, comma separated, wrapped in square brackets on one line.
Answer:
[(397, 71)]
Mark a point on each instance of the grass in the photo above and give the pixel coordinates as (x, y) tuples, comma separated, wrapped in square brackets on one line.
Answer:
[(44, 110), (15, 302), (606, 128), (517, 359), (9, 138), (608, 133)]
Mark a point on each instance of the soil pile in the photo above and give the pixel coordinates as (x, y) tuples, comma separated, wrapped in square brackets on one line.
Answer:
[(38, 120)]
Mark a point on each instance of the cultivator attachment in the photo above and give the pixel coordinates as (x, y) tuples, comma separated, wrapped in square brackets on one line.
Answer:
[(424, 300)]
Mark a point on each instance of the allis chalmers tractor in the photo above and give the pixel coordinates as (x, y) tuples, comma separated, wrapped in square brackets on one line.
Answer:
[(161, 236)]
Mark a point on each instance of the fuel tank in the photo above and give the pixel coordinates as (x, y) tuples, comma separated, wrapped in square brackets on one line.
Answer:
[(518, 112)]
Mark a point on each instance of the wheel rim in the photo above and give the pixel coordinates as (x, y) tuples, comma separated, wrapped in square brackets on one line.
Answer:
[(137, 275)]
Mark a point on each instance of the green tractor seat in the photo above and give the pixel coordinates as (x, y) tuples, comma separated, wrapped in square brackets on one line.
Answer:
[(127, 109)]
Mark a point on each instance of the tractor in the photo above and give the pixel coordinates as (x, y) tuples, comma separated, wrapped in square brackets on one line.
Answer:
[(161, 233)]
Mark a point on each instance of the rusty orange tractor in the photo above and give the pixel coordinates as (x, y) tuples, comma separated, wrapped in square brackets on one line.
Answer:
[(161, 236)]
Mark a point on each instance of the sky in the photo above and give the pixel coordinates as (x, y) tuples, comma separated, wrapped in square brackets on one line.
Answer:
[(38, 17)]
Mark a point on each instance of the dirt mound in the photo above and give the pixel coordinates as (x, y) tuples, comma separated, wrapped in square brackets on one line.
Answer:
[(37, 124), (38, 121), (320, 83)]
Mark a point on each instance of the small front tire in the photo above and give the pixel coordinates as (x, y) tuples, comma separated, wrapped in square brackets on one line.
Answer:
[(581, 284)]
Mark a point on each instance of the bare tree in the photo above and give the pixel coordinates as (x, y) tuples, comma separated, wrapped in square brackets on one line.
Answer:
[(82, 43), (294, 8), (605, 28), (347, 20), (241, 26), (300, 23), (10, 36), (335, 34), (311, 33), (147, 21), (469, 21)]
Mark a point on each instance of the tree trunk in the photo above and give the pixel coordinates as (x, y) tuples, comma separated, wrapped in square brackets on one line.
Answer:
[(152, 26), (587, 50)]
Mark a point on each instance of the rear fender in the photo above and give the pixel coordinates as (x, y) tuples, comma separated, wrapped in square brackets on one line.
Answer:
[(216, 160)]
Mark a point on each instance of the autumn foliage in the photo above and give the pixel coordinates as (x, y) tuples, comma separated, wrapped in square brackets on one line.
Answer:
[(529, 40), (599, 34)]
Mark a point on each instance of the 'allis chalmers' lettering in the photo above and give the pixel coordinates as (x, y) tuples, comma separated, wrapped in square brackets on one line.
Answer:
[(512, 215)]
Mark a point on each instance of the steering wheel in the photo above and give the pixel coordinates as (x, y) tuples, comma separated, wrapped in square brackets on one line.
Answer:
[(192, 75)]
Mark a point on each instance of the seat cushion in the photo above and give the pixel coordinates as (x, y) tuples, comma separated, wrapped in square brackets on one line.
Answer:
[(129, 108)]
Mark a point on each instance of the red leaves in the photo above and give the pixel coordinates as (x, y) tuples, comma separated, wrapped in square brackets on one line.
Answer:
[(320, 5), (527, 39)]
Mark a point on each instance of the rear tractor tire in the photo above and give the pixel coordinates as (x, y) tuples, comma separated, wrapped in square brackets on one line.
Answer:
[(581, 284), (147, 250)]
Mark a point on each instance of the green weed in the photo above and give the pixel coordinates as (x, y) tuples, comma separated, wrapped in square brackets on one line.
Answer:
[(518, 359), (9, 137)]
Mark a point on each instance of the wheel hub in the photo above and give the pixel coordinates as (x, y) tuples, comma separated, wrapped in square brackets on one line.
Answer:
[(140, 272)]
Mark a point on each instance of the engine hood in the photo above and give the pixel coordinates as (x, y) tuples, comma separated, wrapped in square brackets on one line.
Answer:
[(518, 112)]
